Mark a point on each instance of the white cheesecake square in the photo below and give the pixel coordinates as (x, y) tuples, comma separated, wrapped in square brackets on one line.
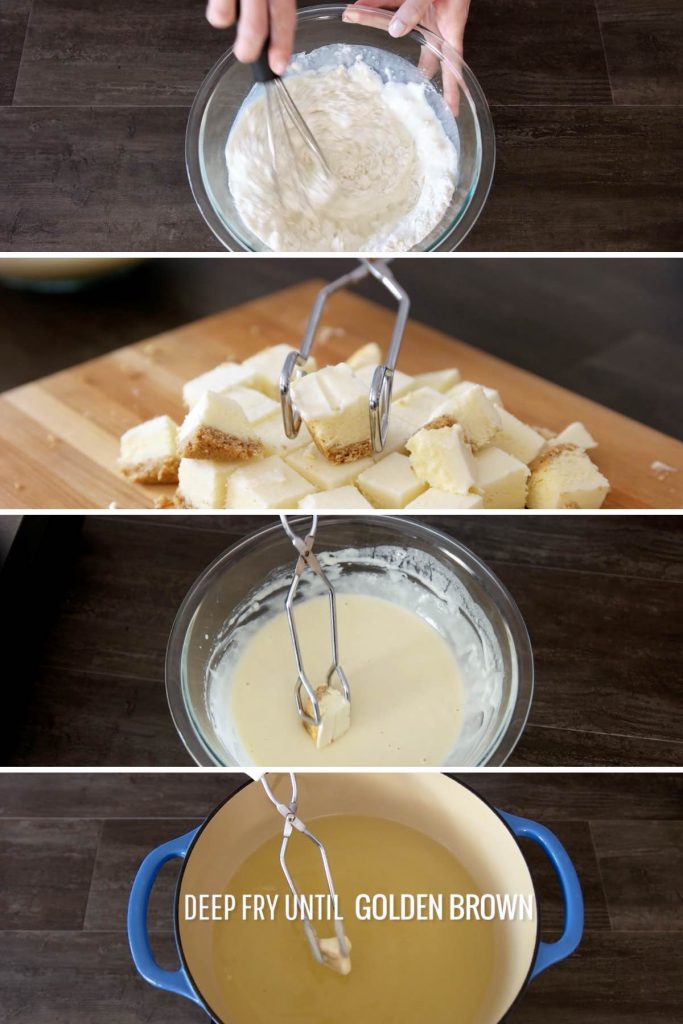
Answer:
[(267, 483), (264, 369), (501, 479), (333, 403), (417, 407), (366, 355), (518, 439), (216, 428), (440, 380), (203, 483), (442, 458), (218, 380), (149, 452), (565, 477), (477, 415), (492, 394), (322, 473), (402, 383), (576, 434), (336, 497), (434, 498), (390, 483), (255, 405), (271, 431)]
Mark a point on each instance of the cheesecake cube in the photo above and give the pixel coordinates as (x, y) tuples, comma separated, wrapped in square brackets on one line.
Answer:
[(476, 414), (576, 434), (264, 369), (366, 355), (501, 479), (492, 394), (401, 385), (417, 407), (434, 498), (440, 380), (322, 473), (266, 483), (398, 432), (336, 497), (332, 954), (335, 716), (220, 379), (390, 483), (333, 403), (149, 452), (256, 406), (442, 458), (216, 428), (203, 483), (271, 432), (518, 439), (564, 477)]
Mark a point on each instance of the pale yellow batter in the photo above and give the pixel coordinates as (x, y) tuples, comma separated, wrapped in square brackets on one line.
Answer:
[(406, 690)]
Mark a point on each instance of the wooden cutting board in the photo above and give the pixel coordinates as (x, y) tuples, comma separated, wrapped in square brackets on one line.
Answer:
[(59, 436)]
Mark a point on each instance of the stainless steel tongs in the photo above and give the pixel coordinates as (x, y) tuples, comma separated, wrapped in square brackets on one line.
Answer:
[(307, 560), (293, 822), (379, 398)]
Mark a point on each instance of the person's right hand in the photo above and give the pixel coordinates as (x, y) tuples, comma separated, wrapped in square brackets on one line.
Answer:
[(257, 19)]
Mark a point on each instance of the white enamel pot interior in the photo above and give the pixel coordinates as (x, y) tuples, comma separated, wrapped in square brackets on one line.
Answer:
[(481, 838)]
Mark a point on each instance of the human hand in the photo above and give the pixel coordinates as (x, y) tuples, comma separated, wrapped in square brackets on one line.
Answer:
[(445, 17), (258, 19)]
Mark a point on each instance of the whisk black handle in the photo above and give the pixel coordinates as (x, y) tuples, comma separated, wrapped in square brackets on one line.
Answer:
[(261, 69)]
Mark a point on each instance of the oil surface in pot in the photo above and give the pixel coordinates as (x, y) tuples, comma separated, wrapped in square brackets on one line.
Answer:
[(406, 688), (404, 972)]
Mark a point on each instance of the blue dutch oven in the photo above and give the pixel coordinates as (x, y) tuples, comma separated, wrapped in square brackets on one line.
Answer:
[(484, 840)]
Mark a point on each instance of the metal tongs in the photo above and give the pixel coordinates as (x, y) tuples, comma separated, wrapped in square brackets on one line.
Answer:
[(292, 821), (307, 560), (379, 399)]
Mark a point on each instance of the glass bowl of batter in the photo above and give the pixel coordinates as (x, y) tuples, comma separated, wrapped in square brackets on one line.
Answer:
[(436, 652), (412, 151)]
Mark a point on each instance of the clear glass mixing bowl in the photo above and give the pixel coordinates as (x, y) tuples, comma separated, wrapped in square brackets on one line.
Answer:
[(223, 91), (221, 601)]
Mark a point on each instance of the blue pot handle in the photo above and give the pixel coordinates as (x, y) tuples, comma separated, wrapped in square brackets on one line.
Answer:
[(550, 953), (138, 938)]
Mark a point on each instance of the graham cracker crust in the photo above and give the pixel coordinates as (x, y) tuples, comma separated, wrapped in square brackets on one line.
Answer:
[(209, 443), (344, 453), (153, 471)]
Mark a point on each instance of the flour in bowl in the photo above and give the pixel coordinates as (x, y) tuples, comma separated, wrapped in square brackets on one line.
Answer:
[(393, 165)]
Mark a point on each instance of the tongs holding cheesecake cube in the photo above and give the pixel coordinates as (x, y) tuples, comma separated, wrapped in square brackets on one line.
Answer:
[(334, 952), (379, 398), (312, 706)]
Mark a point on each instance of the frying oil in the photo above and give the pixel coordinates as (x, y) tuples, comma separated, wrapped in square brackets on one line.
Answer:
[(403, 972)]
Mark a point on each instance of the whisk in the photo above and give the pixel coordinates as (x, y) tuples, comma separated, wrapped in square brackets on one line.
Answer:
[(281, 109), (293, 823), (307, 560)]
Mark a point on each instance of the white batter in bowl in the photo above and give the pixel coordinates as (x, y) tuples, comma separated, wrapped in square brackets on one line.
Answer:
[(389, 141), (468, 664)]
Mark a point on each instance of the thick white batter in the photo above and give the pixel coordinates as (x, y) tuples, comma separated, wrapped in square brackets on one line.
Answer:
[(406, 691), (393, 166)]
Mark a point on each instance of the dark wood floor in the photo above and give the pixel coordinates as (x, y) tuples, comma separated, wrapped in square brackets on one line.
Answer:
[(70, 846), (585, 97), (605, 328), (601, 596)]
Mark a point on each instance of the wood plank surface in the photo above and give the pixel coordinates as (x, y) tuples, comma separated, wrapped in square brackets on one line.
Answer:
[(59, 435)]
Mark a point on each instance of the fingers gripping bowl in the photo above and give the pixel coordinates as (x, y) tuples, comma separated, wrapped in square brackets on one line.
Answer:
[(424, 572), (221, 100)]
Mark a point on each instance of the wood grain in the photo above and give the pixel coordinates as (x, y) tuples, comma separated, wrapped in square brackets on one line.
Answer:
[(59, 435)]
